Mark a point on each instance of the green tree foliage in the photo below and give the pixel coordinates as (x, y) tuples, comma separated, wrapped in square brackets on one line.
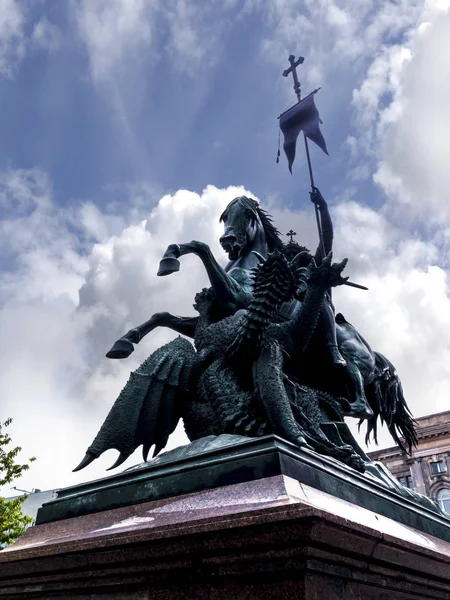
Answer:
[(12, 522)]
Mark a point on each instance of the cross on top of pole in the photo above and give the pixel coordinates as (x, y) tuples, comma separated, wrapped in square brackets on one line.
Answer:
[(293, 69)]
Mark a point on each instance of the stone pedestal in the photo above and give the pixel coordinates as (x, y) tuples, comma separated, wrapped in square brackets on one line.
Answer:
[(271, 536)]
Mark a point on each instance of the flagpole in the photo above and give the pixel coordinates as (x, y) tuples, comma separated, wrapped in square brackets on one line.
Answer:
[(293, 69), (311, 177), (320, 142)]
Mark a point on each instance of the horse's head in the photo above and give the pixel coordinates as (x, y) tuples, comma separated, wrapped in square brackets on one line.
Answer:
[(241, 222)]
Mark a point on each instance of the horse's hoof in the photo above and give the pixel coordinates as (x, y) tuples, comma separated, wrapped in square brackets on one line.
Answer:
[(168, 266), (121, 349)]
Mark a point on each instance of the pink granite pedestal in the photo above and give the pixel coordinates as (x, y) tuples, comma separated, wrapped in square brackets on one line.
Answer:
[(269, 538)]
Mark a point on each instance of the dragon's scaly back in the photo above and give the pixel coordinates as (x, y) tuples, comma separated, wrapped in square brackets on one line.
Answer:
[(274, 281)]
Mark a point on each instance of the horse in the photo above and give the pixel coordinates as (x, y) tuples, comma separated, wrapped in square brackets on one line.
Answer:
[(249, 237)]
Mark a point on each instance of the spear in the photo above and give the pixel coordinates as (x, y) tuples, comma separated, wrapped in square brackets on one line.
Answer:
[(293, 69), (304, 117)]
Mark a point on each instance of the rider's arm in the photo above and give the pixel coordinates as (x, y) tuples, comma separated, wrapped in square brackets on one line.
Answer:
[(327, 225)]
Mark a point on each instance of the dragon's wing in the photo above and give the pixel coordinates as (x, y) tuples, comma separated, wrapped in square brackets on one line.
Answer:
[(149, 406)]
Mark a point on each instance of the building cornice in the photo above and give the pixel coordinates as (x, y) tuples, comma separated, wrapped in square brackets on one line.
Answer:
[(437, 430)]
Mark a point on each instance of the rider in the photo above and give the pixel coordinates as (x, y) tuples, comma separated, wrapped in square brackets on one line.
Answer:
[(327, 321)]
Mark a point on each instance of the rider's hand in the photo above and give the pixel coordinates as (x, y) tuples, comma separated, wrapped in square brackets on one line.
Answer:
[(317, 198)]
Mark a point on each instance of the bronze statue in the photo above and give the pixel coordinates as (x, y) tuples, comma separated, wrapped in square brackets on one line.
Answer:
[(262, 361), (269, 355)]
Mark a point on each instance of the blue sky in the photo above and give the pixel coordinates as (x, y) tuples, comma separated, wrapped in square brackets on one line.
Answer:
[(160, 114), (129, 124)]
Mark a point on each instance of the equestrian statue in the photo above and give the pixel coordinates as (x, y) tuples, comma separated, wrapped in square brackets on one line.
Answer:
[(269, 356), (266, 354)]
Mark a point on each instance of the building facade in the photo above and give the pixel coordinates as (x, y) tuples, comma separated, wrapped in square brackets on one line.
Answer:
[(34, 501), (427, 470)]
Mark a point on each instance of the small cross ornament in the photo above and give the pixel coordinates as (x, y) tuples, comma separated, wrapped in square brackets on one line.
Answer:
[(291, 234)]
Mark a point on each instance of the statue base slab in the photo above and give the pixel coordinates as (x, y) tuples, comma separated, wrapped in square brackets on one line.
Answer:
[(267, 538), (214, 462)]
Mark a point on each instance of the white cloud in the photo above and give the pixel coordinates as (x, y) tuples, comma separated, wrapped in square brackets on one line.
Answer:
[(39, 328), (115, 33), (124, 40), (337, 38), (122, 34), (63, 307), (46, 35), (401, 119), (121, 286), (16, 18), (190, 42), (415, 147), (12, 36), (406, 313), (383, 77)]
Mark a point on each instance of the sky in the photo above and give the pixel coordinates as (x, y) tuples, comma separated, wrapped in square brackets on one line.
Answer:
[(128, 125)]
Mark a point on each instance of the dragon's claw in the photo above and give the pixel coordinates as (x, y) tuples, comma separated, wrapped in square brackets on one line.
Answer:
[(328, 273)]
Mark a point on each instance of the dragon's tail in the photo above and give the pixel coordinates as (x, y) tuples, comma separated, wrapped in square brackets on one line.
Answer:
[(385, 397)]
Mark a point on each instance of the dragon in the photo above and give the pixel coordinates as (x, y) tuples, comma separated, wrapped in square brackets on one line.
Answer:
[(239, 377)]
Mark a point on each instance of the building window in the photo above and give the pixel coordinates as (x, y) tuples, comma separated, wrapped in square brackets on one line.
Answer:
[(443, 499), (438, 467), (406, 480)]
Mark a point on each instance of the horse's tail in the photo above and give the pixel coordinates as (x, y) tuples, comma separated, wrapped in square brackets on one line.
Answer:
[(386, 399)]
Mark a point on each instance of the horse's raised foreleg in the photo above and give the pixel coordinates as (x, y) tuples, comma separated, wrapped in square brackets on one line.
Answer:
[(227, 290), (123, 347)]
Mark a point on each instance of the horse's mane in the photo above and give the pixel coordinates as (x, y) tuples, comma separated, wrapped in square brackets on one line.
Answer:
[(273, 236)]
